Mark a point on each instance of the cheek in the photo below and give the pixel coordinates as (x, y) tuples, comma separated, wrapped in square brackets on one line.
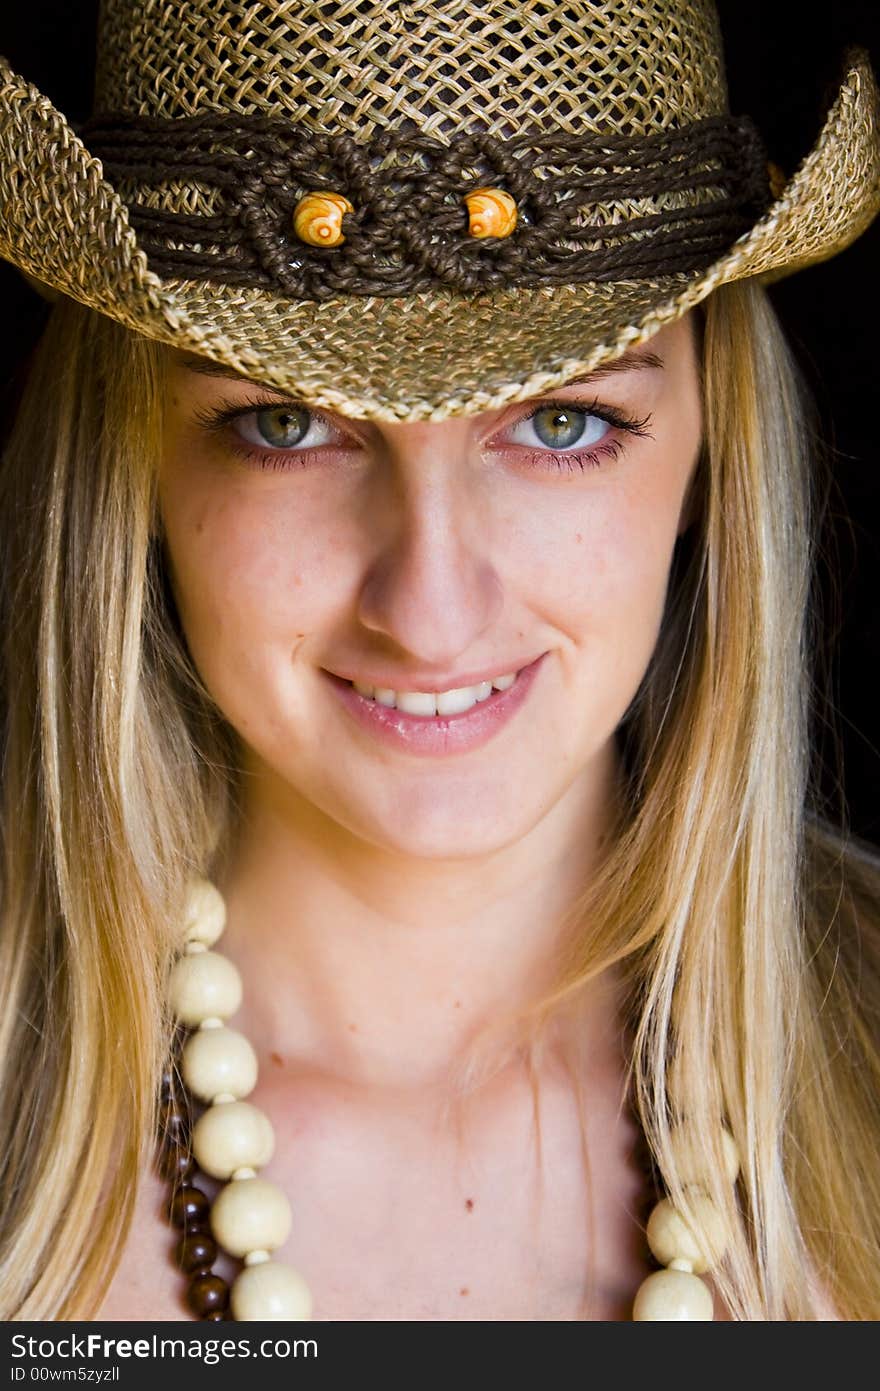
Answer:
[(610, 612), (607, 559), (603, 586), (252, 578), (628, 594)]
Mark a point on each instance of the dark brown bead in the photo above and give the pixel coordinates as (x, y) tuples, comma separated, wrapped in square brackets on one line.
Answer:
[(207, 1293), (173, 1121), (189, 1208), (175, 1163), (170, 1076), (196, 1252)]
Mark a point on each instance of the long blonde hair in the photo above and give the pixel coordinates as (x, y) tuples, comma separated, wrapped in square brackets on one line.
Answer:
[(747, 920)]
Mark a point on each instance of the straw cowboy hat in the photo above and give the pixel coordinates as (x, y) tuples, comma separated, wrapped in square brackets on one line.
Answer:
[(413, 211)]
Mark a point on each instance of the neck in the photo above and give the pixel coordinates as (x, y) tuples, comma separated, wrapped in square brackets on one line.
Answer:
[(380, 968)]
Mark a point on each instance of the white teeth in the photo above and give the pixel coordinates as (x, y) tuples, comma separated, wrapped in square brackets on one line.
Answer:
[(417, 702), (453, 702)]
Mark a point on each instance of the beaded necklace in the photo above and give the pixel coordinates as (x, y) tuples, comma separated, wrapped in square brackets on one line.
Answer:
[(250, 1217)]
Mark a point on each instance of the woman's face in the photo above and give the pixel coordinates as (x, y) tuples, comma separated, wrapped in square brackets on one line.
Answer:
[(419, 557)]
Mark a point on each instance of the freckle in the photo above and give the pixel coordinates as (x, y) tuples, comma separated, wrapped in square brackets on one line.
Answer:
[(458, 1004), (464, 1290), (277, 1059), (578, 537), (352, 1028), (200, 526), (469, 1204)]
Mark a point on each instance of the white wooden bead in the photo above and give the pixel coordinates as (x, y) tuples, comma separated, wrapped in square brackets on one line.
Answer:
[(672, 1294), (205, 914), (672, 1239), (270, 1291), (692, 1157), (250, 1214), (219, 1060), (204, 986), (233, 1134)]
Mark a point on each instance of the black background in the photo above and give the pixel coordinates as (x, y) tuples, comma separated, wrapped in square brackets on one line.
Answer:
[(783, 67)]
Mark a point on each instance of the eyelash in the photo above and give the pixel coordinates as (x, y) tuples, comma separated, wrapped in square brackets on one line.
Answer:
[(218, 418)]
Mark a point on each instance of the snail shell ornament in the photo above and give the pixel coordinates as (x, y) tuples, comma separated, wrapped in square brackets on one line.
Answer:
[(317, 218), (491, 212)]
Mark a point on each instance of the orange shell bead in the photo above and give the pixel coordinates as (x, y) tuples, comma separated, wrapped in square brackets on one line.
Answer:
[(492, 212), (317, 218)]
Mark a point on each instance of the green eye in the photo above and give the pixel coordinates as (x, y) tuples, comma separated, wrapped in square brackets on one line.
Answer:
[(282, 426), (559, 428)]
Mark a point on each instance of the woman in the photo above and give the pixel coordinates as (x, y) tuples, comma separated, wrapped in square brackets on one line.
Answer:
[(457, 942)]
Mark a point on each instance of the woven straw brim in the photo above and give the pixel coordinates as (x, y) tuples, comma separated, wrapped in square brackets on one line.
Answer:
[(427, 356)]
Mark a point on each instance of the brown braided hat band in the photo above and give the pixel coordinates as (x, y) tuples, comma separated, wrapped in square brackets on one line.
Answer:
[(408, 212)]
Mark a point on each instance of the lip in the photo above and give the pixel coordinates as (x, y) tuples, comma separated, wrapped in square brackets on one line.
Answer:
[(436, 735), (416, 682)]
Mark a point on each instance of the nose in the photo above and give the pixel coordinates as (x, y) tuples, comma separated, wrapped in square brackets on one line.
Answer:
[(432, 586)]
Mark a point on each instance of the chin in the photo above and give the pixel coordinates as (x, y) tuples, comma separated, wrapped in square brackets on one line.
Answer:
[(458, 844), (432, 827)]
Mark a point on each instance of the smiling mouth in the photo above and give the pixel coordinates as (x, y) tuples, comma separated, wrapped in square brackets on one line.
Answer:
[(433, 704), (427, 730)]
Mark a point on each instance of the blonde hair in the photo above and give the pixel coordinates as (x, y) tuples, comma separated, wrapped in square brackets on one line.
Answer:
[(746, 921)]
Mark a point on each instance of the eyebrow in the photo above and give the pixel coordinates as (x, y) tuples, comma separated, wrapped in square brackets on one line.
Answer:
[(627, 362)]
